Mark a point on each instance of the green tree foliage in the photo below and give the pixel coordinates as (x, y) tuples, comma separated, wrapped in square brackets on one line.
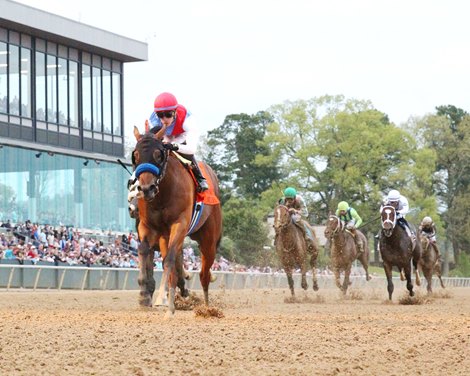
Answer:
[(231, 150), (447, 134), (245, 226), (338, 149)]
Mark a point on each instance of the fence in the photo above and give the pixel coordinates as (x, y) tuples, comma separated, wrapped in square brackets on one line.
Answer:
[(83, 278)]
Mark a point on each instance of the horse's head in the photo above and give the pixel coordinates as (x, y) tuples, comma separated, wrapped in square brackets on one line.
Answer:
[(333, 226), (282, 218), (388, 217), (149, 159)]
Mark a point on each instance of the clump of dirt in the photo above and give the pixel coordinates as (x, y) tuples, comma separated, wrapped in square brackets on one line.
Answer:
[(355, 295), (305, 299), (418, 299), (206, 312), (188, 303)]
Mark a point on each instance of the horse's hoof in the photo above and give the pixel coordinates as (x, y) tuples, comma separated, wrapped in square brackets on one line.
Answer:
[(169, 315), (145, 302), (368, 278), (185, 293), (412, 293), (188, 276), (315, 287), (161, 302)]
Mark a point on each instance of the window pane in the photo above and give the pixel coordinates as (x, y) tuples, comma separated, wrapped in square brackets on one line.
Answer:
[(86, 88), (117, 104), (107, 101), (97, 126), (14, 68), (63, 86), (73, 93), (25, 82), (51, 89), (40, 86), (3, 77)]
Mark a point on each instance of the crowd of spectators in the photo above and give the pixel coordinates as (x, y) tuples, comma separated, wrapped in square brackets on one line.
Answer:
[(31, 243)]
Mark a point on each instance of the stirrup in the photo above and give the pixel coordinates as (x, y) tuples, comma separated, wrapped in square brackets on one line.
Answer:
[(202, 185)]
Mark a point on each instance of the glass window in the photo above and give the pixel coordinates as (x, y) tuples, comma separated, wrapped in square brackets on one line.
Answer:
[(25, 82), (116, 104), (51, 89), (3, 77), (14, 75), (73, 93), (96, 95), (107, 101), (40, 86), (63, 90), (86, 96)]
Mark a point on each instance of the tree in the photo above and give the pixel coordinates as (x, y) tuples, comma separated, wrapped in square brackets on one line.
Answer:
[(245, 227), (448, 134), (231, 150), (337, 149)]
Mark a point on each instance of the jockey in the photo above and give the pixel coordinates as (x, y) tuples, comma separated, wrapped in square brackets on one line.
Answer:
[(178, 136), (427, 228), (400, 203), (299, 213), (351, 220)]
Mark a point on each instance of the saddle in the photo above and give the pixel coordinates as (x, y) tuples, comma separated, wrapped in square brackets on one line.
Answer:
[(207, 197)]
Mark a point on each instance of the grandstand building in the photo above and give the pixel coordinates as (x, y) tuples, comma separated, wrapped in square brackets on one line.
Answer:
[(61, 120)]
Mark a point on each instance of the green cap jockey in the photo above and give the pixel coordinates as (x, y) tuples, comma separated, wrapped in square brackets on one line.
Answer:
[(290, 192)]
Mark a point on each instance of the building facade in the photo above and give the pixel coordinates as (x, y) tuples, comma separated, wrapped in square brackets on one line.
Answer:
[(61, 120)]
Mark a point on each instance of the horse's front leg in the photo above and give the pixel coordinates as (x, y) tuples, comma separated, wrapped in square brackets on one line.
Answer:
[(409, 283), (290, 280), (337, 278), (347, 273), (388, 273), (175, 247), (313, 265), (303, 271), (146, 280)]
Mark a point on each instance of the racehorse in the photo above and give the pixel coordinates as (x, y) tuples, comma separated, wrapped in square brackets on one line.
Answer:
[(292, 249), (344, 252), (166, 199), (398, 249), (429, 262)]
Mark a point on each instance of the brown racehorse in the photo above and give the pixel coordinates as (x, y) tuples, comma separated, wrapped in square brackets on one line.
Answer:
[(292, 249), (344, 251), (398, 249), (166, 200), (429, 262)]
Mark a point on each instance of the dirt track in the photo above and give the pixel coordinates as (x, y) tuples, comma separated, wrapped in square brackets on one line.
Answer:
[(106, 333)]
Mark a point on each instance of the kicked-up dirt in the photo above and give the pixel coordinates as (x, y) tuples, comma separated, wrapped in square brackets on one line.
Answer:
[(262, 332)]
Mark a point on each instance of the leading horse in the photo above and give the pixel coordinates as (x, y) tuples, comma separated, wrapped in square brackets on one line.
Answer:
[(344, 252), (398, 249), (166, 199), (291, 248)]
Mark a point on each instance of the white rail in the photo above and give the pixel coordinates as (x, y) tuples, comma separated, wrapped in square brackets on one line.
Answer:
[(83, 278)]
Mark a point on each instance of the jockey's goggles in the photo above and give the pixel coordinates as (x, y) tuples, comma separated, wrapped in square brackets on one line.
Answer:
[(166, 114)]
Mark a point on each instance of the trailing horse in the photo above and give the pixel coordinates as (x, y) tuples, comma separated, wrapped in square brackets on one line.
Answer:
[(344, 251), (398, 249), (292, 249), (166, 202), (429, 262)]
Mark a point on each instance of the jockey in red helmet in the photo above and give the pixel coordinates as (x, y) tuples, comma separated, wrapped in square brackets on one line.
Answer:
[(179, 134)]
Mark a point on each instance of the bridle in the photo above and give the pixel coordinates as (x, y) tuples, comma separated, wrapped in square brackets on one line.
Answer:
[(277, 225), (157, 170), (389, 211)]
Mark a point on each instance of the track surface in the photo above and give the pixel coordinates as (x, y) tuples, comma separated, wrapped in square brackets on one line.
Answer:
[(106, 333)]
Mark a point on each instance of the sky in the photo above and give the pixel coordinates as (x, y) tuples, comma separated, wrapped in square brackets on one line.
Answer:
[(221, 57)]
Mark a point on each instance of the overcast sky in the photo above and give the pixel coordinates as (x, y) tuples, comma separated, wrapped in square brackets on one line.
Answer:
[(223, 57)]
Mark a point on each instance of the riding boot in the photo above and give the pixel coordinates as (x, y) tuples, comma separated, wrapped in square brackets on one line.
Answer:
[(202, 182), (308, 239), (358, 241)]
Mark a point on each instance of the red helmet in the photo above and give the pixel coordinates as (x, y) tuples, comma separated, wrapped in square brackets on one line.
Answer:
[(165, 102)]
